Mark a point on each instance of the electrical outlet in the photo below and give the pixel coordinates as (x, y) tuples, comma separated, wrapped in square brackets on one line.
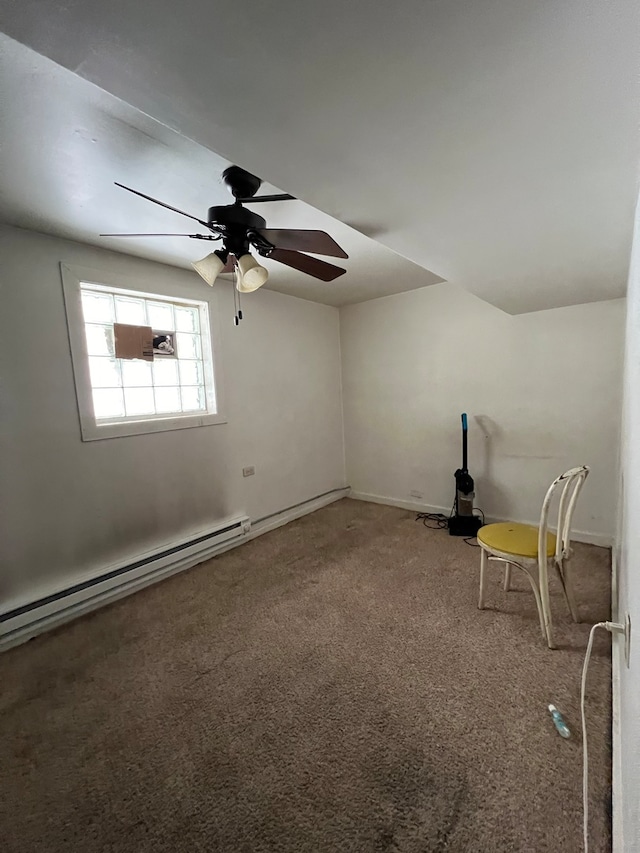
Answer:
[(624, 629), (249, 471), (416, 494)]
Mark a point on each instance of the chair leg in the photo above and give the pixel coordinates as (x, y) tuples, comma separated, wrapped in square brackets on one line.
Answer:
[(567, 588), (483, 566), (543, 582), (536, 593), (507, 577), (540, 591)]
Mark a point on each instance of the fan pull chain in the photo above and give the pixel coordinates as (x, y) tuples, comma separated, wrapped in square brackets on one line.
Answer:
[(239, 306), (236, 319)]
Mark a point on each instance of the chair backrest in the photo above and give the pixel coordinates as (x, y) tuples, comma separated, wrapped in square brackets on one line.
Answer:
[(571, 483)]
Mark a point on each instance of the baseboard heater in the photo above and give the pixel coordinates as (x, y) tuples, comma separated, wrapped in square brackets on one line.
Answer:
[(27, 619)]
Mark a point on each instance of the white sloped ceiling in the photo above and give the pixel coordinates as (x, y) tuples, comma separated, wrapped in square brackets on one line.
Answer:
[(492, 142)]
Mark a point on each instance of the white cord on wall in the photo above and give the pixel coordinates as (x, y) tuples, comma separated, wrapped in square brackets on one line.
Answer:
[(613, 627), (585, 754)]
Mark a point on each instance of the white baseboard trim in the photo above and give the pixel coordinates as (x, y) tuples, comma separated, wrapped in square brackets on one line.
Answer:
[(414, 506), (601, 539), (52, 614), (286, 515)]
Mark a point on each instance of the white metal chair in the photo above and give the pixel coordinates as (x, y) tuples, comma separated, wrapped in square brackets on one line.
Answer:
[(525, 546)]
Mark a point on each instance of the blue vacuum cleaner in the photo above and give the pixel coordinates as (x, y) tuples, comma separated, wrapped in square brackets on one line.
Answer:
[(463, 522)]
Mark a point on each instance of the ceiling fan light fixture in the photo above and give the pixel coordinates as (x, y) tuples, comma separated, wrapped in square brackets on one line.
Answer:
[(210, 267), (251, 275)]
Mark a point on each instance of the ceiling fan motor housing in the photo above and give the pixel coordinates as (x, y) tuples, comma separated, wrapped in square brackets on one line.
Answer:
[(230, 216), (235, 223), (240, 184)]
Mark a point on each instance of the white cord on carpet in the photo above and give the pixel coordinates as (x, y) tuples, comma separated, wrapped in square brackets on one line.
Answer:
[(585, 755)]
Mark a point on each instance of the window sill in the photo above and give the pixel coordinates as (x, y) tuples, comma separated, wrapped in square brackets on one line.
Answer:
[(92, 431)]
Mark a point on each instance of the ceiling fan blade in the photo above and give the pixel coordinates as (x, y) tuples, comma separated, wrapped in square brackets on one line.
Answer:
[(278, 197), (301, 240), (305, 263), (162, 204), (193, 236)]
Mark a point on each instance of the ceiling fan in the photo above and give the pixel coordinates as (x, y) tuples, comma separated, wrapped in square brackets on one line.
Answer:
[(239, 229)]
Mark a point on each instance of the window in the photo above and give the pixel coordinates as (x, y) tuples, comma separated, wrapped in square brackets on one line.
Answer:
[(170, 386)]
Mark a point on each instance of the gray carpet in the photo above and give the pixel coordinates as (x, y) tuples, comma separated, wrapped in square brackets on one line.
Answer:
[(330, 686)]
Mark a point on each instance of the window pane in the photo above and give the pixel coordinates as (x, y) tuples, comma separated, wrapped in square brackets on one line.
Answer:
[(97, 307), (167, 400), (165, 371), (129, 310), (160, 315), (187, 319), (188, 345), (135, 372), (100, 340), (139, 401), (191, 373), (164, 344), (192, 399), (104, 372), (108, 403)]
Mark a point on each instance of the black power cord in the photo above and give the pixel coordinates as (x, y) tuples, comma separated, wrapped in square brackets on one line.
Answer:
[(470, 540), (439, 521)]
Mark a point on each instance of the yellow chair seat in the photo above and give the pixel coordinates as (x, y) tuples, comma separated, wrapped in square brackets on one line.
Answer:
[(513, 538)]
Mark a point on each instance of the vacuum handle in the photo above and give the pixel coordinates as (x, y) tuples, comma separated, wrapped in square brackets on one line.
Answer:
[(464, 441)]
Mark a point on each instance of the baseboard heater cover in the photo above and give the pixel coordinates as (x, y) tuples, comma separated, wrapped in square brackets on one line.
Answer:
[(31, 618)]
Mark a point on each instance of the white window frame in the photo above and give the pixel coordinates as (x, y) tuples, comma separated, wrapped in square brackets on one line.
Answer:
[(91, 430)]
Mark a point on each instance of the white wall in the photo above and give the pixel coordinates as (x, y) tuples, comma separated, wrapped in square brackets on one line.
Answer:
[(70, 506), (626, 743), (542, 392)]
